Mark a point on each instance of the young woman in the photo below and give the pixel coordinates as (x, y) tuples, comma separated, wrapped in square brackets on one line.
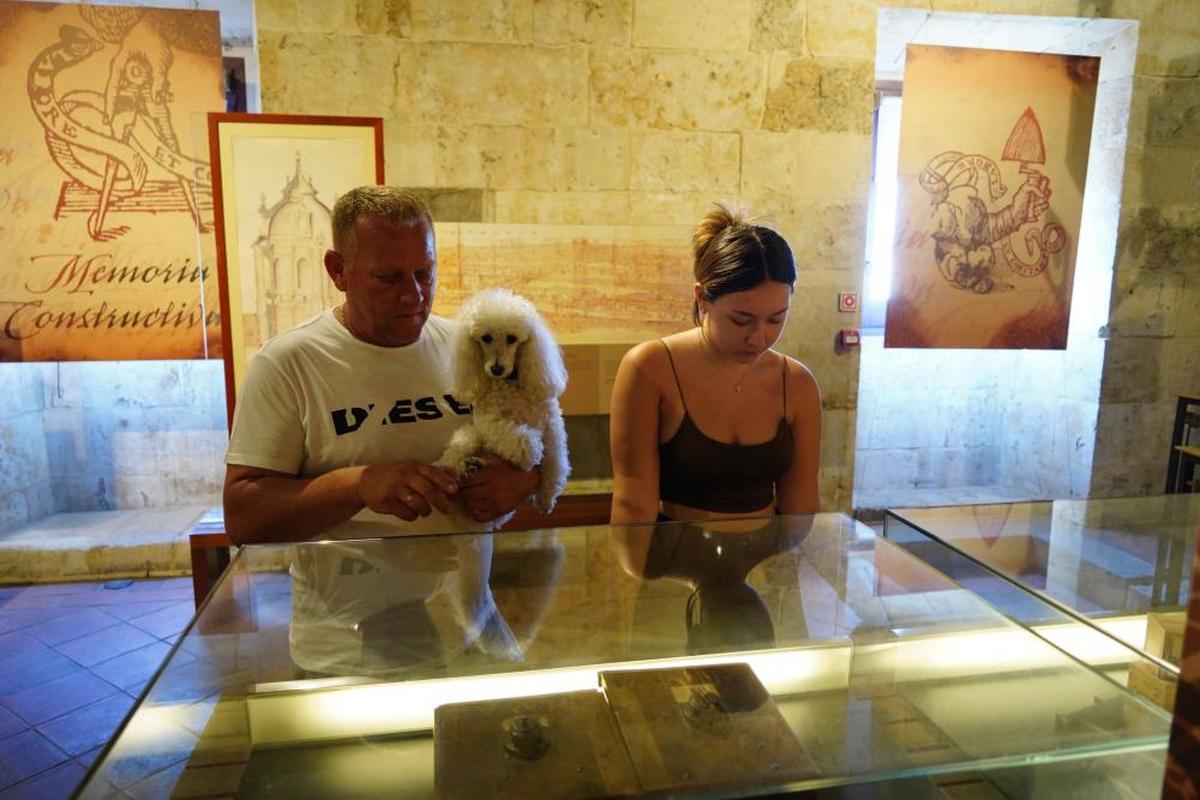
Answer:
[(713, 423)]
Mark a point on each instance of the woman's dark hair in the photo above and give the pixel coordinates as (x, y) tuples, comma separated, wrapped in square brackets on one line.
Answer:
[(733, 254)]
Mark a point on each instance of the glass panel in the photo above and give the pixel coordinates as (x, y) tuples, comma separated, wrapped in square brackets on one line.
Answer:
[(1121, 563), (790, 653)]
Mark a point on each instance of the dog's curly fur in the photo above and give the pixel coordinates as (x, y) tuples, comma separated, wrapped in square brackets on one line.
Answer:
[(509, 368)]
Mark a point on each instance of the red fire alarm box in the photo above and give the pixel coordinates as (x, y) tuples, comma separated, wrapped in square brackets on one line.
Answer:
[(848, 337)]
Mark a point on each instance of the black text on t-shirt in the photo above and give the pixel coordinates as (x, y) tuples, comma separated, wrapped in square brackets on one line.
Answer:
[(406, 410)]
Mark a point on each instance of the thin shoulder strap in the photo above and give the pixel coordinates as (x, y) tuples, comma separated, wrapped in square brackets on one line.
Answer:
[(675, 372), (785, 387)]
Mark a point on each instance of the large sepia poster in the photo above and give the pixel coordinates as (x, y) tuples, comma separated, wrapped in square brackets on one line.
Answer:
[(993, 157), (105, 187)]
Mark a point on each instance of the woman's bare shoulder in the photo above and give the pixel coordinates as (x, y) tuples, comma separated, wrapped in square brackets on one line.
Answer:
[(800, 378), (653, 355)]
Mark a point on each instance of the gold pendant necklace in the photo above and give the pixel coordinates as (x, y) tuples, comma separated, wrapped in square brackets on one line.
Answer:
[(712, 360)]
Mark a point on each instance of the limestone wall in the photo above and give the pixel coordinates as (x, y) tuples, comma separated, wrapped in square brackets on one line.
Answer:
[(1153, 349), (616, 112), (25, 488), (135, 434)]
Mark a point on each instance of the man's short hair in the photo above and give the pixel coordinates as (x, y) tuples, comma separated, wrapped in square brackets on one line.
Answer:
[(386, 202)]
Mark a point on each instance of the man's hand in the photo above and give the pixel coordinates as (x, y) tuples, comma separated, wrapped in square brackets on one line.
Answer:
[(496, 488), (407, 489)]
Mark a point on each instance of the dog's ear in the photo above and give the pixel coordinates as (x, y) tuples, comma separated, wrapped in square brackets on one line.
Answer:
[(468, 365), (540, 368)]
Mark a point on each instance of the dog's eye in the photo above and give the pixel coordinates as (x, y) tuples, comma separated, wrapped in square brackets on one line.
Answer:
[(486, 338), (510, 339)]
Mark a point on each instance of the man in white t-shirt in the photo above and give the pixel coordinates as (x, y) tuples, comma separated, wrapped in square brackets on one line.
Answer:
[(337, 423)]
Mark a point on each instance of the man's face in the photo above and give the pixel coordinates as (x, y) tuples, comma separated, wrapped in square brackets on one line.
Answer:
[(388, 278)]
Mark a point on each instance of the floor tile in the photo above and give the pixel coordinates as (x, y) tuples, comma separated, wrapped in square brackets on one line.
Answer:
[(87, 728), (60, 696), (167, 622), (53, 784), (133, 669), (135, 608), (34, 669), (109, 643), (10, 723), (12, 619), (25, 755), (89, 758), (35, 601), (72, 626), (17, 644), (172, 587), (76, 588), (163, 771)]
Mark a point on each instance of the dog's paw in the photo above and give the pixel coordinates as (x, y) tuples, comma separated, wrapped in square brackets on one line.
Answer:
[(528, 452)]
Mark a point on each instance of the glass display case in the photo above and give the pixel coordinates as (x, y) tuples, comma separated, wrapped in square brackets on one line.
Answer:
[(1122, 565), (787, 655)]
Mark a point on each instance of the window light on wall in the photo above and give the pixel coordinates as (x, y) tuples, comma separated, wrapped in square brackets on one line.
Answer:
[(882, 233)]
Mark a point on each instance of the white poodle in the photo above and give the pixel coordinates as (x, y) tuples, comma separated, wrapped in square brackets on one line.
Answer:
[(509, 368)]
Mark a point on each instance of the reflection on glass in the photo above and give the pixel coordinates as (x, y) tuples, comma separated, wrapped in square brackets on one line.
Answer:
[(887, 672), (723, 610), (1122, 563)]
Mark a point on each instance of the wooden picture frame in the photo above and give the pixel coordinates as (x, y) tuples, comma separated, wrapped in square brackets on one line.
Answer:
[(275, 179)]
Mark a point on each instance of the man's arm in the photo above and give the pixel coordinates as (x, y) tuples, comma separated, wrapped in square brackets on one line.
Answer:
[(263, 505)]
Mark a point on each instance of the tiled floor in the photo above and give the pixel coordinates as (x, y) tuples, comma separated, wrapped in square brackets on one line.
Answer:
[(73, 657)]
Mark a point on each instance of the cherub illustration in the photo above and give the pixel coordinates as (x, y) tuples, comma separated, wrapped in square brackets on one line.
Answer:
[(973, 244)]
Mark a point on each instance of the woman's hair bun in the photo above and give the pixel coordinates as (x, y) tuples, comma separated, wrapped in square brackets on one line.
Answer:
[(718, 219)]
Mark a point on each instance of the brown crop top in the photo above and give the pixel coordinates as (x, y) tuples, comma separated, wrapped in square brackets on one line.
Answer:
[(698, 471)]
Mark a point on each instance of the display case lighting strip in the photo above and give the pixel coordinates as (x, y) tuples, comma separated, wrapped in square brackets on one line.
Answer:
[(308, 711), (291, 717)]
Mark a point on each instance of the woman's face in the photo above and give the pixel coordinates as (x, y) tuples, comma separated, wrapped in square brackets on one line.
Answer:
[(743, 325)]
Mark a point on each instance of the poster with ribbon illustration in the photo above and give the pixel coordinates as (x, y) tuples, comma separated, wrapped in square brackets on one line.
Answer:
[(993, 158), (105, 189)]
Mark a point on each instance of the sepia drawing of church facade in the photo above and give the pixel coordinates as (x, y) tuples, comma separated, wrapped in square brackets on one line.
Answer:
[(289, 252)]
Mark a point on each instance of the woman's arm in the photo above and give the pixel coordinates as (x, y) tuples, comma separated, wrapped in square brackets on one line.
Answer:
[(797, 490), (633, 437)]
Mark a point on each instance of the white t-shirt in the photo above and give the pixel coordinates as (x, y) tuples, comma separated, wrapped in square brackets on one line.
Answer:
[(315, 398)]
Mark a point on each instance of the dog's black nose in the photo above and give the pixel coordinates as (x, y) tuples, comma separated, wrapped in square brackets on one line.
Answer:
[(497, 369)]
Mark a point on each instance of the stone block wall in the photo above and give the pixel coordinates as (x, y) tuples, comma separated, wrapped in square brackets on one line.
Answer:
[(25, 481), (1153, 350), (1095, 419), (615, 112), (94, 436), (628, 113), (928, 418), (135, 434)]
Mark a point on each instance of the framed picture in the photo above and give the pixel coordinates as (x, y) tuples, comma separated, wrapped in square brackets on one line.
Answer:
[(275, 180)]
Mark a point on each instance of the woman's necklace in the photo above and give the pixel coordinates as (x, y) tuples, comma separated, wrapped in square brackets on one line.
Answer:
[(712, 359)]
